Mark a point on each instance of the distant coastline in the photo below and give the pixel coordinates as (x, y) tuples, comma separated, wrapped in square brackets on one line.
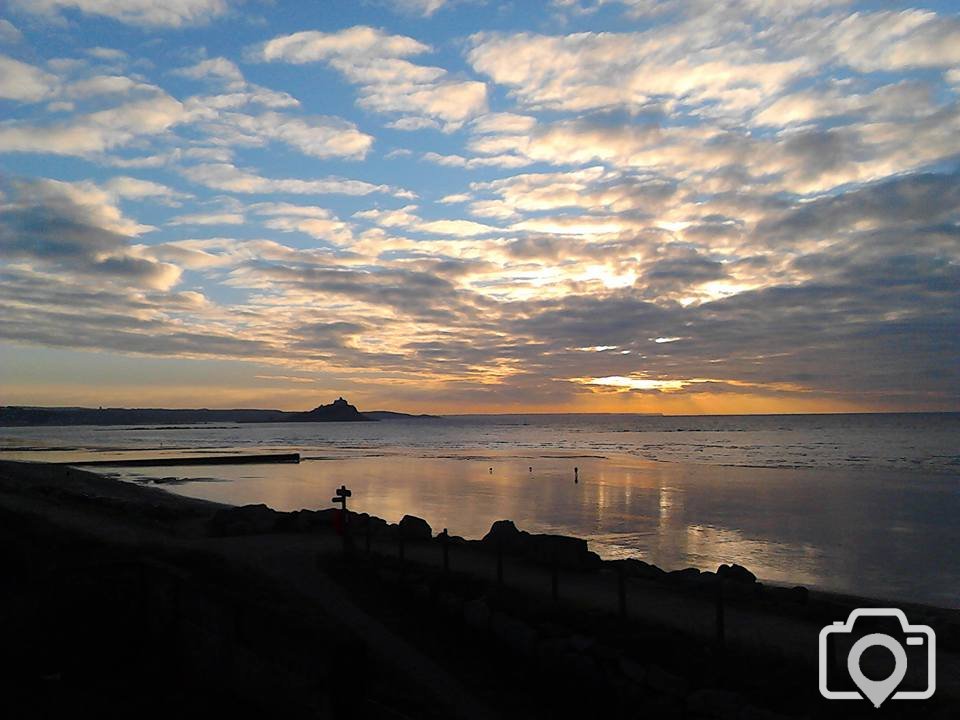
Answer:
[(53, 416), (338, 411)]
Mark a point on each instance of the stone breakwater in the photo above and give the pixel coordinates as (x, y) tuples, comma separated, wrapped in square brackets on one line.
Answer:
[(545, 550)]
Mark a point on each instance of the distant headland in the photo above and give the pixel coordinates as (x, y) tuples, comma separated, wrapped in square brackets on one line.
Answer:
[(338, 411)]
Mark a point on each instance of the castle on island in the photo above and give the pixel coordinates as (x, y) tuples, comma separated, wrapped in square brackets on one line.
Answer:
[(339, 410)]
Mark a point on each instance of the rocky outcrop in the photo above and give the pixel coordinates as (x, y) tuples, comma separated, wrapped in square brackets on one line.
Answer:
[(504, 535), (246, 520), (414, 528), (565, 552), (631, 567), (337, 411), (306, 520), (736, 573)]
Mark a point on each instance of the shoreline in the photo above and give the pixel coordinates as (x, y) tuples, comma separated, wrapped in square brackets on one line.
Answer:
[(171, 483), (399, 593), (625, 494), (674, 515)]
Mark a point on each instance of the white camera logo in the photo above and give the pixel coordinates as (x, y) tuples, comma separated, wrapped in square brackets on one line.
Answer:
[(877, 691)]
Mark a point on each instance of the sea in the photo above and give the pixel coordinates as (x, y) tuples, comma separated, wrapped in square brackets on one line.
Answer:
[(867, 504)]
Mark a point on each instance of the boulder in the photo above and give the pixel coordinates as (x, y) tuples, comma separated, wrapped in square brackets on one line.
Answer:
[(246, 520), (504, 534), (567, 552), (301, 521), (297, 521), (378, 526), (414, 528), (686, 577), (637, 568), (736, 573), (591, 561)]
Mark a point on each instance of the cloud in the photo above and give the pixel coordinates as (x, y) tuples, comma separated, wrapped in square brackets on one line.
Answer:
[(76, 228), (59, 311), (317, 136), (225, 75), (320, 136), (425, 8), (903, 100), (875, 41), (311, 220), (100, 85), (725, 57), (108, 54), (923, 198), (409, 293), (712, 199), (9, 33), (170, 13), (388, 82), (808, 160), (218, 69), (359, 42), (227, 177), (214, 218), (137, 189), (503, 161), (503, 124), (413, 123), (406, 218), (590, 71), (94, 132), (677, 270), (25, 83), (593, 188)]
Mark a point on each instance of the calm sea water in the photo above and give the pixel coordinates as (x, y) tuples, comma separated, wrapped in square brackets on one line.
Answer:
[(866, 504)]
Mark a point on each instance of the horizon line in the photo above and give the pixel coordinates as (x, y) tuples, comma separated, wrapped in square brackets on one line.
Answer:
[(501, 414)]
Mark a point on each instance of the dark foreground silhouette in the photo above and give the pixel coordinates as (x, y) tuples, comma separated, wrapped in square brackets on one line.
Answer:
[(127, 601)]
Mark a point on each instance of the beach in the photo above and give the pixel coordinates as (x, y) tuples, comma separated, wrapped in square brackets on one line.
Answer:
[(241, 594)]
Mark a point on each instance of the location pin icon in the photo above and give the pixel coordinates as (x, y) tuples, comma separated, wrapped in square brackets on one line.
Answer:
[(876, 691)]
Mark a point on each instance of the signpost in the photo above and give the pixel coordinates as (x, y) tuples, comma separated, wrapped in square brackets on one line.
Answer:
[(341, 497)]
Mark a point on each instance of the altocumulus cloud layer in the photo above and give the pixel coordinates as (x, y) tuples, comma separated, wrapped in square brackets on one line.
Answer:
[(730, 205)]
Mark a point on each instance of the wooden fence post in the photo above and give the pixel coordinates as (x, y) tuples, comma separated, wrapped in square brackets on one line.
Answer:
[(500, 564), (445, 542), (554, 579), (721, 620), (622, 591)]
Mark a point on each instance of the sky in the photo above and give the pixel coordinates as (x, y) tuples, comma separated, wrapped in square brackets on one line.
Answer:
[(711, 206)]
